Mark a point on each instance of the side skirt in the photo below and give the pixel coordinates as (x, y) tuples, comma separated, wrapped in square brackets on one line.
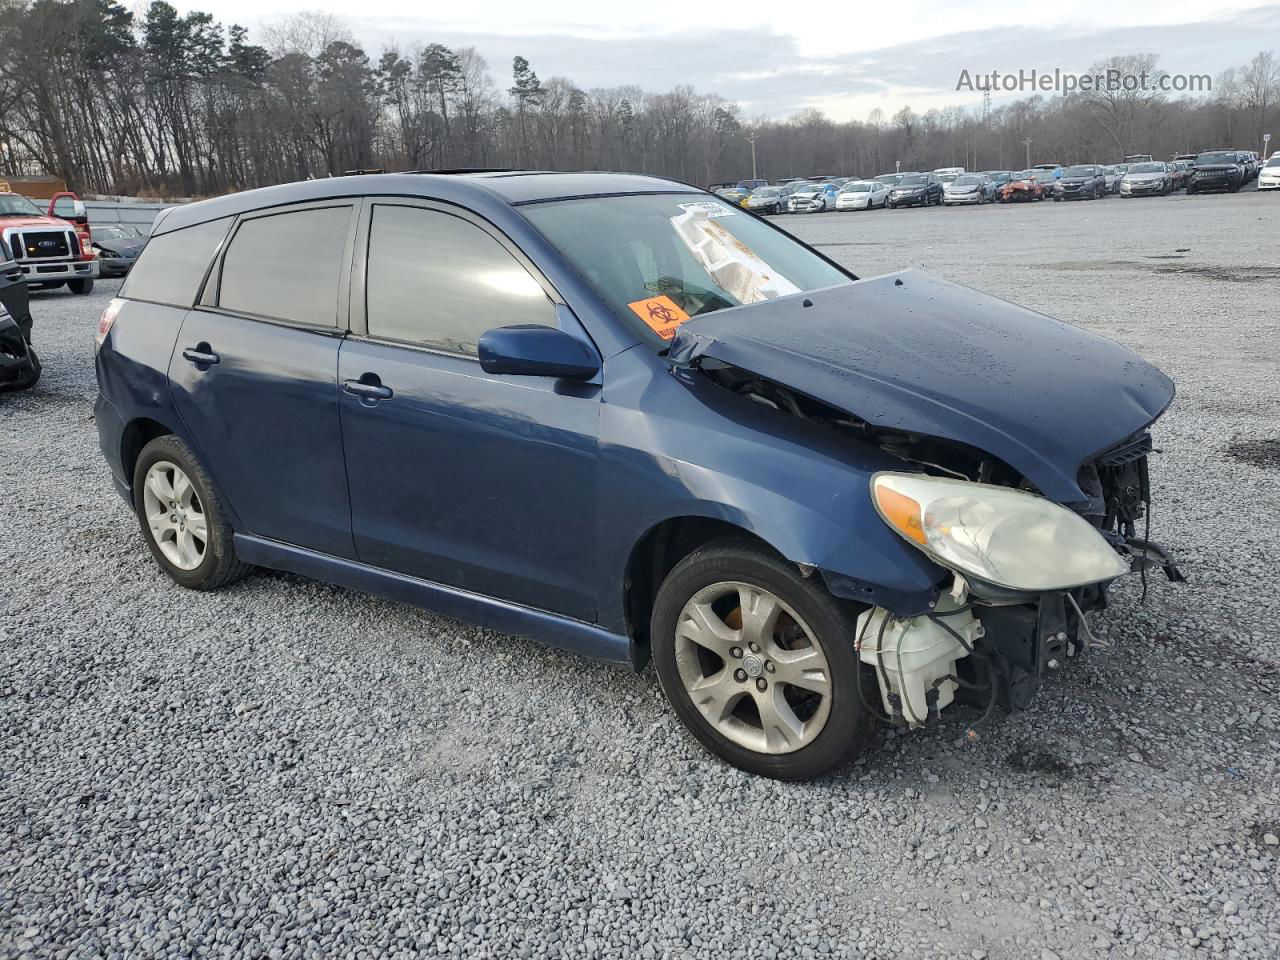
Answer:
[(552, 629)]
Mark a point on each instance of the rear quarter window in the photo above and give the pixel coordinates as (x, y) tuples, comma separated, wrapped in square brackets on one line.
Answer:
[(173, 265)]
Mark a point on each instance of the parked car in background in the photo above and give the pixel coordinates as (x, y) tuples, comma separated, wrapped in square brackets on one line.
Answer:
[(1269, 175), (813, 198), (752, 184), (863, 195), (19, 365), (1216, 170), (916, 190), (1081, 181), (618, 415), (1147, 179), (1179, 171), (1112, 175), (968, 188), (50, 249), (1024, 186), (1138, 158), (1054, 168), (998, 179), (768, 201), (117, 248), (946, 175)]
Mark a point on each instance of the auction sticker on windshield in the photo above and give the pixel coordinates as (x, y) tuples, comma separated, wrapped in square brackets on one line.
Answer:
[(660, 314), (712, 208)]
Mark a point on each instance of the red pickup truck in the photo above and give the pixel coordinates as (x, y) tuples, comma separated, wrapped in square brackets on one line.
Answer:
[(52, 249)]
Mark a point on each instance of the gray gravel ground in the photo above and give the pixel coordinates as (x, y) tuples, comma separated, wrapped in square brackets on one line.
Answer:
[(287, 769)]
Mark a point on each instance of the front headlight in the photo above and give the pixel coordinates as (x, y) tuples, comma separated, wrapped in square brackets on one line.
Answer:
[(1006, 537)]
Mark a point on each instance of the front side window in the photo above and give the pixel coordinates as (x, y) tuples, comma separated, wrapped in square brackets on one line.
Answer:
[(439, 281), (658, 260), (286, 266), (172, 266)]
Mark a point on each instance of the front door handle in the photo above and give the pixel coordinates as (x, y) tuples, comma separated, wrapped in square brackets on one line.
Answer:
[(200, 354), (365, 390)]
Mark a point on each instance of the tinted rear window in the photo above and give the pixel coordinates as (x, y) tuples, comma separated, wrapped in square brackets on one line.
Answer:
[(286, 266), (173, 265)]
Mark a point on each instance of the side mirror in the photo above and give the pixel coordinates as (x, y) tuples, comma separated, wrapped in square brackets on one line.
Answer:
[(534, 351)]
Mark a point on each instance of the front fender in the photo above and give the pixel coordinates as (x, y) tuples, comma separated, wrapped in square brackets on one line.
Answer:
[(681, 446)]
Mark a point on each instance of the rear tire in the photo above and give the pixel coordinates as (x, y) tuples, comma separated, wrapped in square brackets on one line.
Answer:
[(169, 482), (783, 730), (81, 287)]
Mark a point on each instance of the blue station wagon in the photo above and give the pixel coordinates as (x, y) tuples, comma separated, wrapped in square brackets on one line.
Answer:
[(619, 415)]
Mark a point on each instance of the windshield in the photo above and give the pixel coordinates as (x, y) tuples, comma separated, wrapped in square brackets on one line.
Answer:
[(1220, 157), (659, 260), (12, 205), (968, 180), (767, 192), (1147, 168), (856, 188), (1081, 171), (889, 178), (1042, 175), (913, 180), (1274, 161)]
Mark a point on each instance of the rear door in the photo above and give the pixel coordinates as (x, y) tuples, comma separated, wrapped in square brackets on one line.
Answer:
[(254, 373), (478, 481)]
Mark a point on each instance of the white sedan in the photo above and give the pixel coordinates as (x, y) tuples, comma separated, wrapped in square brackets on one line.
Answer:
[(1269, 175), (862, 195)]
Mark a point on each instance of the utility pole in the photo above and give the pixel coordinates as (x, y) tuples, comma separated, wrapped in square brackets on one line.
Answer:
[(751, 139), (1027, 143)]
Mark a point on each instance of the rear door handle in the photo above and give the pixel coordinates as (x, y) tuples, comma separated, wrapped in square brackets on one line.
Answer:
[(367, 391), (200, 354)]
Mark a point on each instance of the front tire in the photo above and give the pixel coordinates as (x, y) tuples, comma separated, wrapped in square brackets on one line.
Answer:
[(82, 286), (758, 662), (182, 518)]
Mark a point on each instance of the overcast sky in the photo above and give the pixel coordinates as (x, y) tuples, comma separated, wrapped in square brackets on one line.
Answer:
[(775, 59)]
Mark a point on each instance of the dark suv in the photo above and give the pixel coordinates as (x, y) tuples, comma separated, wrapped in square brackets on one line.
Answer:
[(1217, 170), (1082, 181), (623, 416), (916, 190)]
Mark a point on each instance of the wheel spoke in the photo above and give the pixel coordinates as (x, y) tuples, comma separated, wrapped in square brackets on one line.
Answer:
[(187, 548), (805, 668), (160, 486), (717, 695), (699, 623), (182, 488), (760, 612), (197, 525), (782, 728)]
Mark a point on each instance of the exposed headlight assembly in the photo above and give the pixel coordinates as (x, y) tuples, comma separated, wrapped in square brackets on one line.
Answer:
[(1006, 537)]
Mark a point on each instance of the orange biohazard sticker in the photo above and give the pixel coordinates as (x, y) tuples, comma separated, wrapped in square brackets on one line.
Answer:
[(660, 314)]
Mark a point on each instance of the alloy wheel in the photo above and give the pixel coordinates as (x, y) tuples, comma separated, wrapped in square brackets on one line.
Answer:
[(175, 515), (753, 668)]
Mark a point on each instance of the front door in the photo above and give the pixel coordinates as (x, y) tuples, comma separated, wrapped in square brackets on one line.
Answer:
[(478, 481)]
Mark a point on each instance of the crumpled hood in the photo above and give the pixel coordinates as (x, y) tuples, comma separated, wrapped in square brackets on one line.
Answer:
[(913, 352)]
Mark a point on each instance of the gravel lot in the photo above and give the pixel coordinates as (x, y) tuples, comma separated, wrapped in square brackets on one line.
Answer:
[(287, 769)]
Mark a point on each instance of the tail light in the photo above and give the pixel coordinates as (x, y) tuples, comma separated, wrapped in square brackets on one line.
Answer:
[(106, 320), (86, 244)]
